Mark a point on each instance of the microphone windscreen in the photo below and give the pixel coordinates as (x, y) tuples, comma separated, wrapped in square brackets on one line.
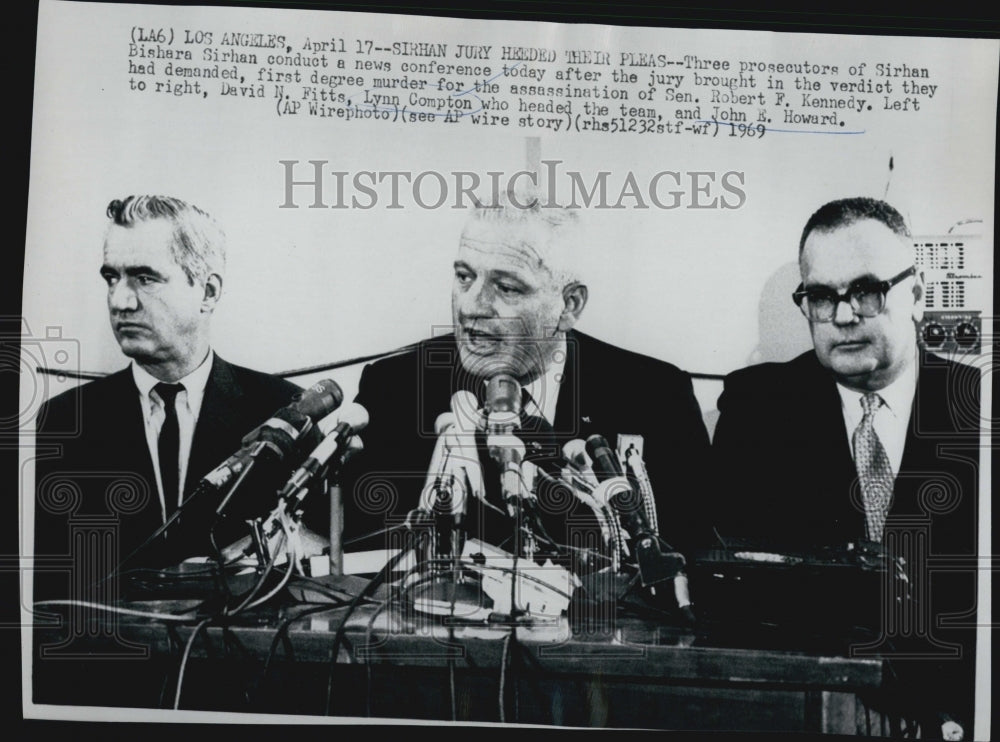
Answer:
[(287, 420), (503, 394), (353, 414), (444, 421), (505, 449), (320, 399), (465, 408), (575, 453), (604, 460)]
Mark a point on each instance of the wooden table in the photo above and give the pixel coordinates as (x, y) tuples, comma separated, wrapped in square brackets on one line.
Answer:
[(397, 664)]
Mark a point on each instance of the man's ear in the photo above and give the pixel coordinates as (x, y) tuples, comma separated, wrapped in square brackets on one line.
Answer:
[(213, 292), (574, 300), (919, 293)]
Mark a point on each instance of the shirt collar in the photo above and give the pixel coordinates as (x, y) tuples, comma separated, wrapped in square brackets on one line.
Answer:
[(897, 397), (194, 383), (544, 390)]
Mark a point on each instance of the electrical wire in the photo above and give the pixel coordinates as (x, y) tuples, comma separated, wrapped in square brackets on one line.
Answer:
[(277, 589), (209, 569), (292, 538), (342, 596), (280, 632), (370, 588), (256, 588), (455, 568), (225, 500), (504, 657), (368, 642), (195, 494), (248, 601), (373, 534), (183, 617), (185, 656)]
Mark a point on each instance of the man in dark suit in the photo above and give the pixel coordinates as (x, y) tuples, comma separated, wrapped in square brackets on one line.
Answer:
[(516, 298), (865, 441), (116, 456)]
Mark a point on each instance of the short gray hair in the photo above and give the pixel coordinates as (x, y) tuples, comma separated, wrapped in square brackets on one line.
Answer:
[(526, 208), (199, 244)]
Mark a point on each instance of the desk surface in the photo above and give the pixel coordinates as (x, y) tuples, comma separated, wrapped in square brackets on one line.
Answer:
[(626, 647), (610, 670)]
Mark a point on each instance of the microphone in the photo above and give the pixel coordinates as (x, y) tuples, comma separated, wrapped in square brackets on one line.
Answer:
[(575, 454), (442, 484), (443, 498), (653, 566), (503, 404), (338, 428), (454, 471), (277, 437), (580, 475), (468, 417), (618, 489), (635, 469), (455, 460), (469, 420), (508, 451)]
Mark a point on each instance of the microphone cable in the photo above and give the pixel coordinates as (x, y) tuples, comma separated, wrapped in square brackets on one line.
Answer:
[(280, 637), (195, 494), (507, 657), (229, 613), (180, 617), (338, 637), (372, 534), (246, 604), (368, 642), (185, 656)]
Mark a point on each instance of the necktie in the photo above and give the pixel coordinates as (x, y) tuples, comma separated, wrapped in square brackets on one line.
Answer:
[(874, 472), (528, 406), (169, 445)]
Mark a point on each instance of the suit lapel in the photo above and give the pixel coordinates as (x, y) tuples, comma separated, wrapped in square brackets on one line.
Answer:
[(124, 425), (929, 419), (124, 421), (831, 469), (568, 412), (215, 421)]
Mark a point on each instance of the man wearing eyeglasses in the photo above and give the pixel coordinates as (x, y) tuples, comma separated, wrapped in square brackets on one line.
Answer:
[(864, 440)]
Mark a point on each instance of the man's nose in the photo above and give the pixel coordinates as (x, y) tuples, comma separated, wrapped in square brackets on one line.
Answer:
[(122, 298), (479, 301), (843, 313)]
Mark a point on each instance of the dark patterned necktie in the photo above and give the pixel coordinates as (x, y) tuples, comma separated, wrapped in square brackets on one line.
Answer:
[(169, 445), (874, 471)]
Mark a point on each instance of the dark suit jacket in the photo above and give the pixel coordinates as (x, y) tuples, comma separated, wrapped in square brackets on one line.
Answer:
[(606, 390), (94, 474), (785, 474)]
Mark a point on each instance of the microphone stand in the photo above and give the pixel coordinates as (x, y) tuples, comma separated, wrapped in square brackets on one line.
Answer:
[(335, 495), (196, 494)]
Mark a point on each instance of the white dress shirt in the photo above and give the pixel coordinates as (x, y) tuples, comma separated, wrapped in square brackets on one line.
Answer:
[(188, 405), (544, 390), (892, 420)]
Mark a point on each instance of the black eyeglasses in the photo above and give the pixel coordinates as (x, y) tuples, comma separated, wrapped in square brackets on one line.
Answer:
[(866, 297)]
